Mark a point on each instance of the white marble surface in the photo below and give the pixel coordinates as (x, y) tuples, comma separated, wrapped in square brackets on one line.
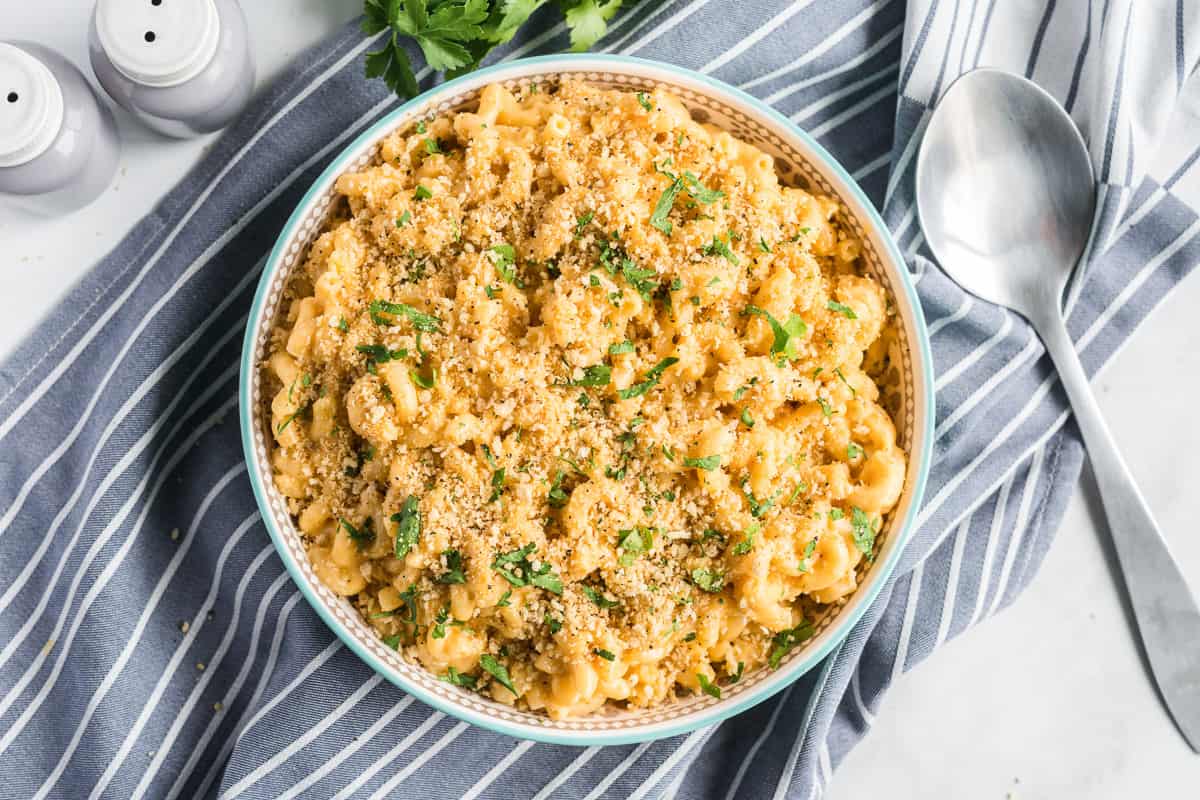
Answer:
[(1047, 700)]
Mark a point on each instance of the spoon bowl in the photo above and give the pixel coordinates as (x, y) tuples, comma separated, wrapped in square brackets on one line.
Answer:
[(1005, 191)]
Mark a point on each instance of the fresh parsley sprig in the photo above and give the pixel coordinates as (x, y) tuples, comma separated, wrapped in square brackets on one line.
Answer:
[(456, 35)]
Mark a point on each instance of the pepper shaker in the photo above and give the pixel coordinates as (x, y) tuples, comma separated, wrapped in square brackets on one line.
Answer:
[(58, 142), (183, 67)]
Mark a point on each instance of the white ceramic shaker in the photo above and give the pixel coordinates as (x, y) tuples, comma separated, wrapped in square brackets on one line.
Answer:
[(183, 67), (58, 142)]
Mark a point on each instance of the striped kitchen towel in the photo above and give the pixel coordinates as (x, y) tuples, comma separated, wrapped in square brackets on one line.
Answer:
[(131, 551)]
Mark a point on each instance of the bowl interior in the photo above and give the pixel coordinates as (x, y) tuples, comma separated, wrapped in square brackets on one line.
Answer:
[(906, 395)]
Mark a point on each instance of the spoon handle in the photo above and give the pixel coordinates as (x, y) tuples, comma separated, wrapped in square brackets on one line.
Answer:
[(1165, 608)]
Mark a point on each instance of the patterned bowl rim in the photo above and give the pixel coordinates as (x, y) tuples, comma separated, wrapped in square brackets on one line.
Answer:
[(489, 714)]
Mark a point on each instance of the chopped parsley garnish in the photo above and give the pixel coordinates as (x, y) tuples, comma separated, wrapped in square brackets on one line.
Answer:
[(408, 526), (705, 462), (419, 320), (582, 223), (595, 375), (845, 310), (555, 625), (557, 498), (668, 453), (422, 192), (838, 371), (800, 487), (809, 548), (737, 676), (515, 567), (863, 530), (691, 637), (380, 354), (762, 245), (699, 191), (454, 568), (605, 654), (710, 689), (639, 279), (359, 536), (665, 203), (342, 325), (639, 389), (439, 627), (505, 261), (497, 485), (836, 513), (301, 411), (634, 542), (405, 218), (621, 347), (423, 381), (459, 678), (787, 335), (497, 670), (719, 247), (747, 543), (826, 409), (433, 147), (746, 419), (503, 602), (599, 599), (758, 507), (710, 580), (644, 101), (392, 641), (853, 451), (785, 641)]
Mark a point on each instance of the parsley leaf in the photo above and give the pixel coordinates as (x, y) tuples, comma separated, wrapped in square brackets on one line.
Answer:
[(420, 321), (497, 485), (706, 462), (786, 640), (652, 376), (845, 310), (720, 247), (710, 689), (457, 678), (557, 498), (710, 580), (582, 223), (621, 347), (422, 192), (863, 530), (588, 20), (634, 542), (809, 548), (405, 218), (787, 335), (605, 654), (515, 567), (359, 536), (746, 419), (454, 568), (408, 526), (555, 625), (505, 261), (493, 667), (665, 203), (701, 192), (644, 101), (599, 599), (595, 375), (747, 543)]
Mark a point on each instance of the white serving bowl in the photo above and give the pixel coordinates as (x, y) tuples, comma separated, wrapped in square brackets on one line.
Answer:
[(799, 161)]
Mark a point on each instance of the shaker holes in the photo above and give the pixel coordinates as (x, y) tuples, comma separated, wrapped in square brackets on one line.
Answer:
[(150, 37), (12, 97)]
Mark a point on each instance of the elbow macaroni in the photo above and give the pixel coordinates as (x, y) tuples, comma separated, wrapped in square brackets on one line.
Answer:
[(579, 405)]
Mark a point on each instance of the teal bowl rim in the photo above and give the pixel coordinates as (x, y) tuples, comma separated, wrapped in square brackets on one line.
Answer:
[(924, 414)]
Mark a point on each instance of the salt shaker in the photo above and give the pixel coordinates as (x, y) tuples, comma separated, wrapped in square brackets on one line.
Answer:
[(58, 142), (183, 67)]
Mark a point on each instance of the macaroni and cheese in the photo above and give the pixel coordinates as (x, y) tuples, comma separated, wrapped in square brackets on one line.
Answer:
[(579, 405)]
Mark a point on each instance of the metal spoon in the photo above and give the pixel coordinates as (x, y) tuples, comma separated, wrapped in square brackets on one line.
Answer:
[(1005, 195)]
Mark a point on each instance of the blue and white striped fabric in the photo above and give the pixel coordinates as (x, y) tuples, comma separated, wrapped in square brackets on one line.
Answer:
[(151, 643)]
